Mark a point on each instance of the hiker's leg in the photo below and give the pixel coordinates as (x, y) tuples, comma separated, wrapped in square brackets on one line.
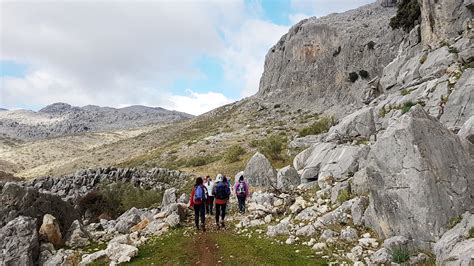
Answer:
[(211, 204), (218, 208), (240, 203), (203, 215), (243, 204), (196, 215), (223, 211)]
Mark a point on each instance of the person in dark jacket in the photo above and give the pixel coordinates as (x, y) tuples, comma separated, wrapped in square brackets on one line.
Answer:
[(241, 191), (198, 202), (221, 193)]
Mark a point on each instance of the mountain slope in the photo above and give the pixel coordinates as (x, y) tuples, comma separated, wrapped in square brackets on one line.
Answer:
[(62, 119)]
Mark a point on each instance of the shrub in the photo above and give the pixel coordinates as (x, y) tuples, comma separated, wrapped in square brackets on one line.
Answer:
[(423, 58), (353, 76), (407, 106), (400, 254), (453, 50), (371, 45), (321, 126), (201, 160), (364, 74), (114, 199), (233, 154), (471, 232), (407, 14), (343, 196), (273, 146), (454, 221)]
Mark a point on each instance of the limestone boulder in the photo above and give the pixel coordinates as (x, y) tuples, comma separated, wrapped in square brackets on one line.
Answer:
[(287, 178), (127, 220), (50, 230), (19, 243), (260, 172), (169, 197), (16, 200), (460, 105), (437, 62), (359, 124), (77, 235), (466, 133), (456, 246), (418, 177)]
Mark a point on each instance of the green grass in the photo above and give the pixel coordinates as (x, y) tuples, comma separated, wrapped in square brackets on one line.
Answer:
[(172, 249), (400, 254), (255, 251), (406, 106), (321, 126), (233, 154), (471, 232), (454, 221), (343, 196)]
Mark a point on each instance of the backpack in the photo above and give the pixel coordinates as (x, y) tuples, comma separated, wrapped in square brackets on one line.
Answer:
[(199, 195), (222, 191), (241, 189)]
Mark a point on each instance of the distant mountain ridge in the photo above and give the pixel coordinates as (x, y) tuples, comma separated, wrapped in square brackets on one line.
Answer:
[(61, 119)]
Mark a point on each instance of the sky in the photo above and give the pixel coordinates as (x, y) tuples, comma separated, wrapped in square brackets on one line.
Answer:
[(184, 55)]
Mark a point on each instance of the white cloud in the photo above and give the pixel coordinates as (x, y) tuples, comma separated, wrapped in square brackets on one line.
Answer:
[(198, 103), (245, 54), (324, 7)]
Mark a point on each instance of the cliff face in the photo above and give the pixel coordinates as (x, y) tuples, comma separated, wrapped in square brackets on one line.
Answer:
[(310, 65)]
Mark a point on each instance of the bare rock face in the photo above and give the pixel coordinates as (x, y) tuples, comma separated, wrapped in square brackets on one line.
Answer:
[(456, 247), (19, 244), (460, 105), (16, 200), (260, 172), (419, 177), (442, 20), (50, 230), (169, 197), (466, 133), (287, 177), (359, 124), (311, 63)]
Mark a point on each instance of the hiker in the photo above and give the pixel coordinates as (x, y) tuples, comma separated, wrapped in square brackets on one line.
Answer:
[(198, 201), (209, 184), (241, 191), (221, 193)]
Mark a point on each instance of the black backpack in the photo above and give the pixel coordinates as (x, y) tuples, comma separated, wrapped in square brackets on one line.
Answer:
[(222, 191)]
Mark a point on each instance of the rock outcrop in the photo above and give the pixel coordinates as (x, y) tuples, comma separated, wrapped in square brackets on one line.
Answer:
[(50, 230), (16, 200), (19, 243), (260, 172), (310, 65), (419, 177)]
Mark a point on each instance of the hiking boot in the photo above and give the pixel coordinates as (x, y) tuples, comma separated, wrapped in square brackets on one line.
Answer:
[(204, 228), (217, 225), (222, 224)]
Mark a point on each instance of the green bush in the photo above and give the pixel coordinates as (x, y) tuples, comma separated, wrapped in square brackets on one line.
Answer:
[(363, 74), (233, 154), (343, 196), (407, 14), (400, 254), (371, 45), (471, 232), (407, 106), (454, 221), (116, 198), (273, 146), (353, 77), (321, 126), (201, 160)]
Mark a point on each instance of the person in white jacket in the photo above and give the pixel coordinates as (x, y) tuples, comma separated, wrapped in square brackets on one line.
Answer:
[(209, 184)]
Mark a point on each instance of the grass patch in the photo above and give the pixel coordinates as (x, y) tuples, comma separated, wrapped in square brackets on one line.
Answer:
[(400, 254), (406, 106), (172, 249), (201, 160), (233, 154), (343, 196), (321, 126), (454, 221), (256, 251), (404, 92), (471, 232)]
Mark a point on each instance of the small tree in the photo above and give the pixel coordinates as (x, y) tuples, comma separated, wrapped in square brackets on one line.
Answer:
[(408, 14), (353, 76), (364, 74)]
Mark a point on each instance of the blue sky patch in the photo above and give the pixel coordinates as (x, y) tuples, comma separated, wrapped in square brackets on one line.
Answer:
[(12, 69)]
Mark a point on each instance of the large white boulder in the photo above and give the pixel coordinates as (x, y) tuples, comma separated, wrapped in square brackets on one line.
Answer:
[(260, 172)]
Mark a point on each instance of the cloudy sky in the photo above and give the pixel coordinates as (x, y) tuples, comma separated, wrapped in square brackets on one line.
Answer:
[(185, 55)]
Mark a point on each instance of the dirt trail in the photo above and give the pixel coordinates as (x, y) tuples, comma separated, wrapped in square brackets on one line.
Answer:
[(204, 246)]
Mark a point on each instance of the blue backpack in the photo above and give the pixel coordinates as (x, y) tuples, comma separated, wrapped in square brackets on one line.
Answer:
[(199, 195), (222, 191)]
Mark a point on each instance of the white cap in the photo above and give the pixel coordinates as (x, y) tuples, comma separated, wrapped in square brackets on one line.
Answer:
[(219, 178)]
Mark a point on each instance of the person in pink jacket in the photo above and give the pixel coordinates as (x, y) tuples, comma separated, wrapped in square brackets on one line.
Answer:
[(241, 189)]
